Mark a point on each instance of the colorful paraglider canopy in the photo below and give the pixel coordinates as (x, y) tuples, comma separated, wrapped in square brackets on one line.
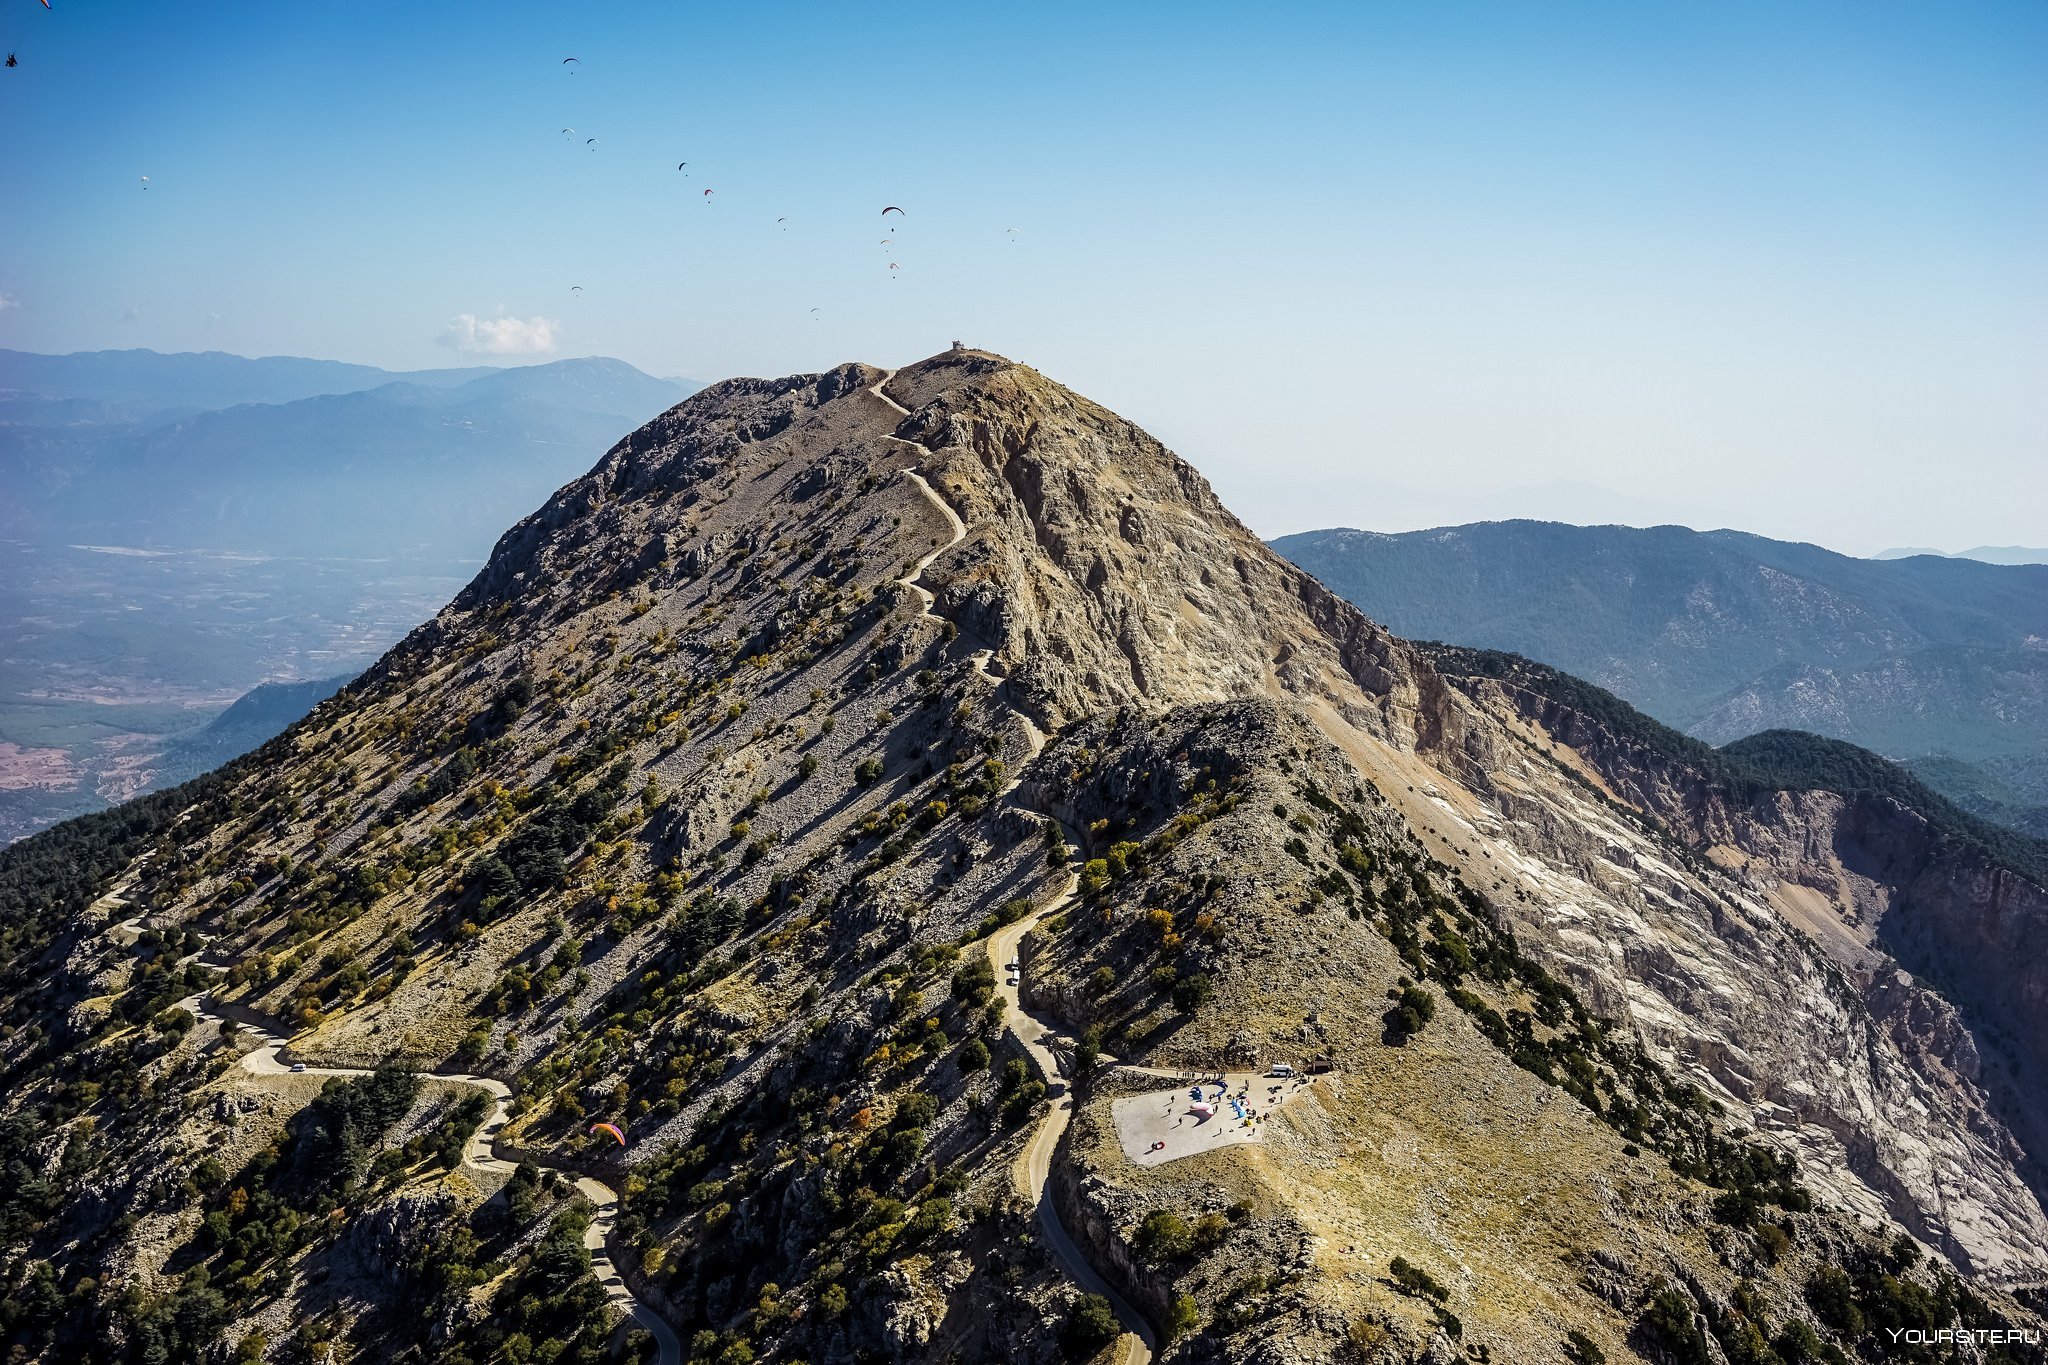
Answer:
[(611, 1128)]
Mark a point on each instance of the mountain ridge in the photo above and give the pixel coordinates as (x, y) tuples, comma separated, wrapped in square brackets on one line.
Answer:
[(280, 476), (1987, 554), (1723, 634), (140, 377)]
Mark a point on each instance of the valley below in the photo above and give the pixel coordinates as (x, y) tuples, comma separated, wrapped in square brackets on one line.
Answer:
[(111, 656)]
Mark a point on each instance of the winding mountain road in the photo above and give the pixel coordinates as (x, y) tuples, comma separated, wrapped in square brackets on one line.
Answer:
[(1032, 1170), (481, 1153)]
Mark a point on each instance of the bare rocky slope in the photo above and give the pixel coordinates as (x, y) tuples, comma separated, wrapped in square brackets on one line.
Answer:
[(696, 813)]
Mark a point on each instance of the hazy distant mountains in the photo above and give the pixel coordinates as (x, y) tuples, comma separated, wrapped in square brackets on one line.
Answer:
[(140, 384), (290, 456), (176, 529), (1988, 554), (1938, 661)]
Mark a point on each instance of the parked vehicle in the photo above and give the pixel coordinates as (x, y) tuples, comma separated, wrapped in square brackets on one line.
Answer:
[(1280, 1069)]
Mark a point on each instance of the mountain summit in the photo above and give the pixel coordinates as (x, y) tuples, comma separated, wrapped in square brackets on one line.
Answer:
[(885, 866)]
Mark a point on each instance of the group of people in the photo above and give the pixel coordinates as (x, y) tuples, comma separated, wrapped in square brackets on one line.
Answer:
[(1242, 1109)]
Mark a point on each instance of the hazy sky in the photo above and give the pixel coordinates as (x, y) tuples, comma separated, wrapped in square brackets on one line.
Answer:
[(1779, 266)]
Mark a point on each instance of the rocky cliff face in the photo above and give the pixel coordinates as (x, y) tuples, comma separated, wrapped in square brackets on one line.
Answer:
[(695, 811), (1904, 987)]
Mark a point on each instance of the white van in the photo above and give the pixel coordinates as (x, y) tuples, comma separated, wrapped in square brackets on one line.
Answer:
[(1280, 1070)]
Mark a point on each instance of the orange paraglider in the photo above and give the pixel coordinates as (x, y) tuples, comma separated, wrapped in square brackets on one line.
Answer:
[(611, 1128)]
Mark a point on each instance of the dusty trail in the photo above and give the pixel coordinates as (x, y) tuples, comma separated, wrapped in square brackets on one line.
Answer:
[(1032, 1171), (481, 1153)]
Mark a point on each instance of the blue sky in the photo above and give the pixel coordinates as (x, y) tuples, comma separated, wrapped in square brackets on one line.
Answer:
[(1775, 266)]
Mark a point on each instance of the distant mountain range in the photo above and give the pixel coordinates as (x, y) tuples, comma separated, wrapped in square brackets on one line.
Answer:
[(139, 385), (1987, 554), (179, 528), (213, 451), (1940, 662)]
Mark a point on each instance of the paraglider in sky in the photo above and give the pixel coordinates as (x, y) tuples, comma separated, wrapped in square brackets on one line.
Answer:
[(145, 182), (707, 194), (11, 61), (567, 60), (575, 288), (590, 142), (568, 133), (611, 1128), (681, 164), (891, 209)]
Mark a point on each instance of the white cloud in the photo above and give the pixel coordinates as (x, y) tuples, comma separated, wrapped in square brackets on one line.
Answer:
[(500, 336)]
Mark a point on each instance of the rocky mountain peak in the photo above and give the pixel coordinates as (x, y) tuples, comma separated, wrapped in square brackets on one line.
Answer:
[(880, 796)]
